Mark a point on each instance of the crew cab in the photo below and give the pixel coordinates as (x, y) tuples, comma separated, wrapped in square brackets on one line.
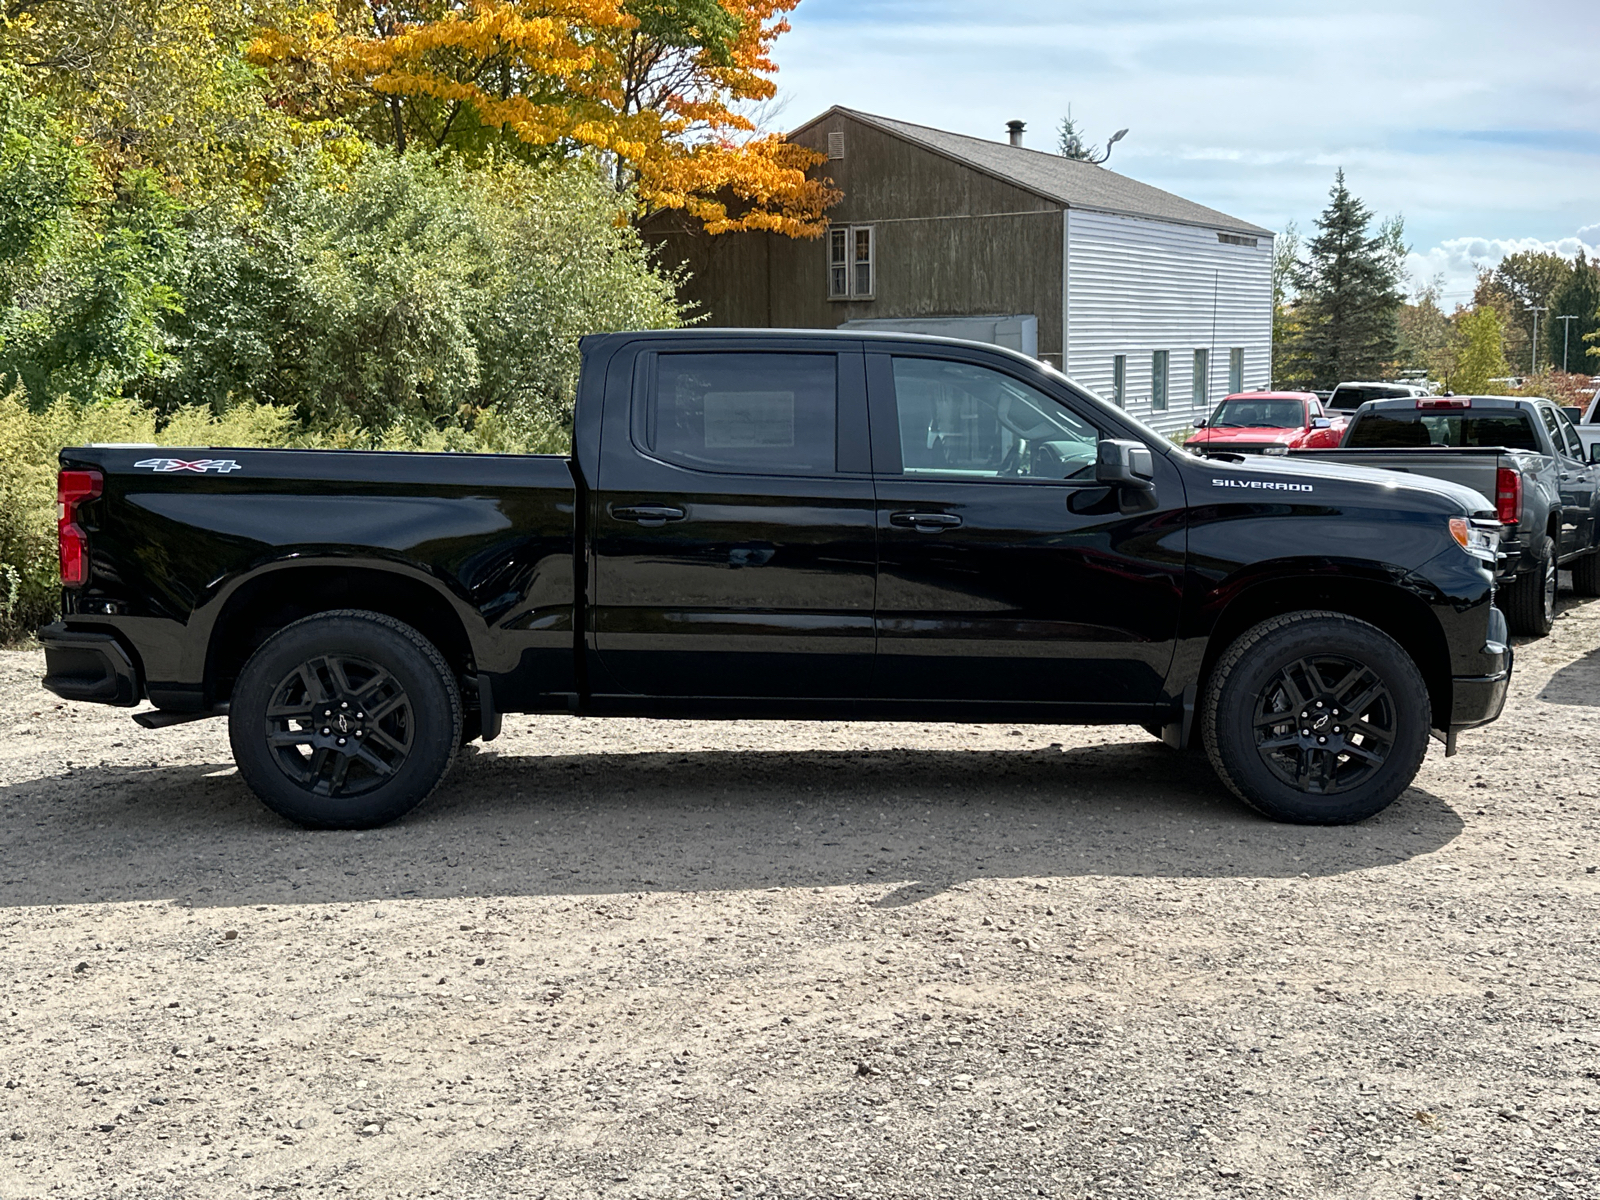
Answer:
[(1587, 421), (1266, 422), (784, 525), (1526, 454)]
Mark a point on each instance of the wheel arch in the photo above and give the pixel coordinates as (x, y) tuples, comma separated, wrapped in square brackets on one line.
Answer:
[(1391, 607), (263, 603)]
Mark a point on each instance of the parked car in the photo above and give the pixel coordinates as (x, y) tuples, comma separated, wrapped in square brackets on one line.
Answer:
[(798, 525), (1586, 421), (1258, 422), (1348, 397), (1525, 454)]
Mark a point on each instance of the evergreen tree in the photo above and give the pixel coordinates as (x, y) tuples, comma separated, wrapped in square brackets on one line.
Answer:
[(1578, 296), (1349, 300)]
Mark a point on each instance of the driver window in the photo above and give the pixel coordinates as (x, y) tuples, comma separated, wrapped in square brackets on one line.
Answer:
[(963, 421)]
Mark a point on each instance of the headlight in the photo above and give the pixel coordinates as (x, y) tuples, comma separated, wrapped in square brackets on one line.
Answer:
[(1478, 538)]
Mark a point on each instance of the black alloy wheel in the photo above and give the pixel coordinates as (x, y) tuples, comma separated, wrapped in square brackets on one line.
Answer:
[(340, 726), (1316, 718), (345, 720), (1325, 724)]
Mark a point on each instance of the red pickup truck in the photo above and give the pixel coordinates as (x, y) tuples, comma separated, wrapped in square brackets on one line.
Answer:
[(1255, 422)]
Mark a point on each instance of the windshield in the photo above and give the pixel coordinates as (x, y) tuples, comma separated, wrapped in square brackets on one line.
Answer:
[(1379, 430), (1256, 414)]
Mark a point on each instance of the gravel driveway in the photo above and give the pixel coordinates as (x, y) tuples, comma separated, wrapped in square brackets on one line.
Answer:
[(641, 959)]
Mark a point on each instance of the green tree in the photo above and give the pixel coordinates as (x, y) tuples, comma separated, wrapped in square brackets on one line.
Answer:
[(1070, 142), (1429, 340), (1521, 283), (1578, 296), (1348, 295), (1483, 357), (410, 292)]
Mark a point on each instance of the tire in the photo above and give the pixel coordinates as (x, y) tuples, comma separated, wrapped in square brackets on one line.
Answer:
[(360, 769), (1529, 601), (1586, 574), (1306, 659)]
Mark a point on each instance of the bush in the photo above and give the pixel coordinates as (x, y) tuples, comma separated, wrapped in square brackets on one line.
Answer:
[(404, 290)]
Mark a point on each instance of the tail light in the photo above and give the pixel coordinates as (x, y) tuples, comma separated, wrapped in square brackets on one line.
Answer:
[(1507, 496), (72, 489)]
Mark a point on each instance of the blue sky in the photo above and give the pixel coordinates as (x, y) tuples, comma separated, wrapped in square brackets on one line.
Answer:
[(1479, 121)]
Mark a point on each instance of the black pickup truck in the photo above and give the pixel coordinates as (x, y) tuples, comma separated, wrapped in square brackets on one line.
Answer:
[(763, 524)]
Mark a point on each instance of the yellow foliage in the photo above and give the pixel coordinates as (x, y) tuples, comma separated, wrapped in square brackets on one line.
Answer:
[(570, 75)]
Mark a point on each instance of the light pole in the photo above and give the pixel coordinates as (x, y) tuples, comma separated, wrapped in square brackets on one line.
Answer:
[(1535, 310), (1566, 336)]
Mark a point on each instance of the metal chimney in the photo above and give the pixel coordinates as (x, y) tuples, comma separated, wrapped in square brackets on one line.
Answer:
[(1015, 128)]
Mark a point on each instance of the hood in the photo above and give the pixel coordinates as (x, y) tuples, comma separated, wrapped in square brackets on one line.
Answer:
[(1254, 435), (1290, 475)]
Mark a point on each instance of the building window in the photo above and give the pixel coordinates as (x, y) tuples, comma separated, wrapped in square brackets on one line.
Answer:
[(1236, 369), (852, 262), (1119, 380), (1233, 239), (1158, 379), (1202, 376)]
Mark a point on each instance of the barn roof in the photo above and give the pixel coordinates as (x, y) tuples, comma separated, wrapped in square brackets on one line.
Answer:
[(1070, 183)]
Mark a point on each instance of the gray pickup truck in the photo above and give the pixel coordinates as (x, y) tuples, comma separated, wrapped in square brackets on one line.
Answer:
[(1522, 454)]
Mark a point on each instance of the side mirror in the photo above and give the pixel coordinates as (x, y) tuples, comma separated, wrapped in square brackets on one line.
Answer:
[(1321, 423), (1125, 464), (1594, 452), (1575, 413), (1200, 424)]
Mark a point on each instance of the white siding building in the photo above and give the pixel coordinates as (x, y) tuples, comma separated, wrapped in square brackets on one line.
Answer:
[(1166, 319)]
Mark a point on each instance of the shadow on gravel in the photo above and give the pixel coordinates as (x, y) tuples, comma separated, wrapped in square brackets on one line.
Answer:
[(1577, 683), (916, 821)]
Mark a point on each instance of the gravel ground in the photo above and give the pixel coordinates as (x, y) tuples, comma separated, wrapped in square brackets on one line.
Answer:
[(656, 959)]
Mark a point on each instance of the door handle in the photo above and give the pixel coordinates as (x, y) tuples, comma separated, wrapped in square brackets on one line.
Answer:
[(651, 516), (925, 522)]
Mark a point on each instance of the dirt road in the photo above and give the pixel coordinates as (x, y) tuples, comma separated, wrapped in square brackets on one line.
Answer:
[(633, 959)]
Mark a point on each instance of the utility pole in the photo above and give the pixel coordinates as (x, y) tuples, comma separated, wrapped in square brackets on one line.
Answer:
[(1566, 336), (1535, 310)]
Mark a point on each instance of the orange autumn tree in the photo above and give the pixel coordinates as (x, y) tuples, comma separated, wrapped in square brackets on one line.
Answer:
[(657, 89)]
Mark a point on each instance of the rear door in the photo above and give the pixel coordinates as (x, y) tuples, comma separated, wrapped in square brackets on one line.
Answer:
[(733, 525), (1577, 482), (1006, 574)]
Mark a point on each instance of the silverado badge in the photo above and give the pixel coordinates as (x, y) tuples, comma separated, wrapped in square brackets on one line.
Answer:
[(199, 466)]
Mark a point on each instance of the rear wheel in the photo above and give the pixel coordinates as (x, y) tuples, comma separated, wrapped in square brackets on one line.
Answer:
[(345, 720), (1316, 718), (1529, 602), (1586, 574)]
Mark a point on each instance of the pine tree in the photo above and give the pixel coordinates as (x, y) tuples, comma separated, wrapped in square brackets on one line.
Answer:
[(1349, 302), (1578, 296)]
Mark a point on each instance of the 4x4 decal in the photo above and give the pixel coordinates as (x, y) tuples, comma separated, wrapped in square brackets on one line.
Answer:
[(199, 466)]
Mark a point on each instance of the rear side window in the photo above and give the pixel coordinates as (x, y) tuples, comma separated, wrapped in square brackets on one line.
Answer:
[(1376, 431), (1354, 397), (747, 414)]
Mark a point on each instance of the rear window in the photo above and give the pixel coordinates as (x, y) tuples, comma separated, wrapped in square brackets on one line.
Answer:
[(1376, 431), (1254, 414), (1354, 397)]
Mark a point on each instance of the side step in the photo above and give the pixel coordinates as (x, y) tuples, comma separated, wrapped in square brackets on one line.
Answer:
[(163, 718)]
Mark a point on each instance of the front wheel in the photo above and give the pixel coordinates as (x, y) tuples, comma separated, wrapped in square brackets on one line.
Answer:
[(345, 720), (1586, 574), (1316, 718)]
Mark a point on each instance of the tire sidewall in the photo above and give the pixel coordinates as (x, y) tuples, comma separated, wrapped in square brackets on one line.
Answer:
[(435, 710), (1231, 731)]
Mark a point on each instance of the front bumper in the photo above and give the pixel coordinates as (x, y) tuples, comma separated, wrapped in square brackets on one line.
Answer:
[(81, 665), (1478, 699)]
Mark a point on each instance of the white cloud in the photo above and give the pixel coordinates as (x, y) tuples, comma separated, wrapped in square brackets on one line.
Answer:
[(1456, 261)]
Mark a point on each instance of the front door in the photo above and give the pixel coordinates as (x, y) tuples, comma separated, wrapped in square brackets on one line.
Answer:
[(1005, 572), (733, 528)]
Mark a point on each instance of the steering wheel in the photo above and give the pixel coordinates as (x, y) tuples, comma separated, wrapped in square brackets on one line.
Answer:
[(1043, 429)]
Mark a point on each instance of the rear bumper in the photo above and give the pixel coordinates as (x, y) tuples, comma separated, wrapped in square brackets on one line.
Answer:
[(96, 667)]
